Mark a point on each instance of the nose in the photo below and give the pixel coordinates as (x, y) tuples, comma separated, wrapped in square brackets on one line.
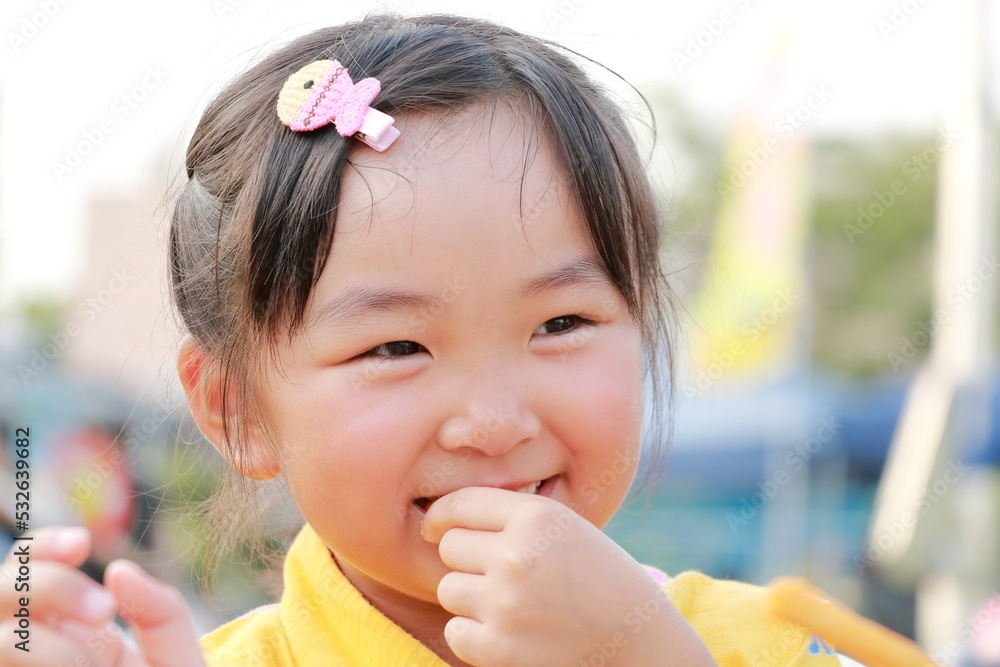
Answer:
[(493, 426)]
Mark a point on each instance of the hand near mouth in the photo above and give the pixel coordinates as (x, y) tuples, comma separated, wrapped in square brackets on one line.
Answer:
[(534, 583)]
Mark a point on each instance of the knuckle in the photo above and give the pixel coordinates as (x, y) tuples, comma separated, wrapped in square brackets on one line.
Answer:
[(516, 560), (508, 605), (446, 589), (532, 512), (446, 543), (503, 651)]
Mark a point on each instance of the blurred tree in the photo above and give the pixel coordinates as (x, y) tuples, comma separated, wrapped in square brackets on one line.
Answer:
[(872, 232), (873, 221), (43, 315), (690, 166)]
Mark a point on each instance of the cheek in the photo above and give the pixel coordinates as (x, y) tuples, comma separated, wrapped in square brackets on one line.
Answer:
[(344, 447), (609, 391), (603, 419)]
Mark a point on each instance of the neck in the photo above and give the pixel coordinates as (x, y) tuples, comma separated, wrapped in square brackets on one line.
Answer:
[(421, 619)]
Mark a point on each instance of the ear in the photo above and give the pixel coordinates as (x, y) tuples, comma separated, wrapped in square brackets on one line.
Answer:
[(201, 376)]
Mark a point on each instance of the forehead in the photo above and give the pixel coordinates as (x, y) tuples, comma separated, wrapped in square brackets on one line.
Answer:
[(476, 190), (480, 153)]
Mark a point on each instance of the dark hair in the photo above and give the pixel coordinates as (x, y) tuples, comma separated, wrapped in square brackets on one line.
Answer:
[(253, 226)]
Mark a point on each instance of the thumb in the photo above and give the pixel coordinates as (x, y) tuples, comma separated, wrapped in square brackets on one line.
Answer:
[(157, 614)]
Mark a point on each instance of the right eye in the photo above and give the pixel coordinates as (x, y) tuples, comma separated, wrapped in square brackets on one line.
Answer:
[(308, 84)]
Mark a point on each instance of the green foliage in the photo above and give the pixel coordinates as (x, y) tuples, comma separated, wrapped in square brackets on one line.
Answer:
[(192, 480), (871, 260), (870, 274), (43, 315)]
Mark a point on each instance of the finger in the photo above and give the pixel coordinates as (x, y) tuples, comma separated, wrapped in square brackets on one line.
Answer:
[(462, 594), (69, 545), (476, 507), (46, 646), (106, 642), (467, 550), (157, 614), (60, 591), (465, 639)]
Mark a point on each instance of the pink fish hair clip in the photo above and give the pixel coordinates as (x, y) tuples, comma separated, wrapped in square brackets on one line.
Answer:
[(322, 92)]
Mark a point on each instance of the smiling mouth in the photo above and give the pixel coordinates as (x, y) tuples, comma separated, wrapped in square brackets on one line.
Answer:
[(535, 488)]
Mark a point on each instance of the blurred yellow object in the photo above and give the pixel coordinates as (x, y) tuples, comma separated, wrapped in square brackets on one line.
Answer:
[(871, 644)]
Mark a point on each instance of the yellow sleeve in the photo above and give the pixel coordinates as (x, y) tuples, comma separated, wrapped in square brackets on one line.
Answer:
[(253, 640), (731, 619)]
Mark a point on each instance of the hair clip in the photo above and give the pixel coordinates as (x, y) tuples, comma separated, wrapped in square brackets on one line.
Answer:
[(322, 92)]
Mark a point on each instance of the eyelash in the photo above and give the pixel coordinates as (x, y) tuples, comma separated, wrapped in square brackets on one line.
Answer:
[(374, 354)]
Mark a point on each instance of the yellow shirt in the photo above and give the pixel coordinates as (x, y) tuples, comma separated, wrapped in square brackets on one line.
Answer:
[(323, 620)]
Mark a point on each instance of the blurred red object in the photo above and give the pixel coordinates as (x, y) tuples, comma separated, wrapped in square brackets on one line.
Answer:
[(95, 483)]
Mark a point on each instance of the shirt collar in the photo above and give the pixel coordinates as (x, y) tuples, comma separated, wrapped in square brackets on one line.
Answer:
[(324, 615)]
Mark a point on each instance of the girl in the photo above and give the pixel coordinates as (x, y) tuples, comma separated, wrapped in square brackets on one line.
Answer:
[(441, 349)]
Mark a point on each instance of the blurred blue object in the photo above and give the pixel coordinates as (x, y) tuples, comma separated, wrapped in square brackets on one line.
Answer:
[(724, 437)]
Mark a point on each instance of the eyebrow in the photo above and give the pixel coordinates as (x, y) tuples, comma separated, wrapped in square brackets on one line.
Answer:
[(364, 300)]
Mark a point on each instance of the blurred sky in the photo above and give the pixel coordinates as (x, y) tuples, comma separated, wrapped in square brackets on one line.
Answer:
[(66, 65)]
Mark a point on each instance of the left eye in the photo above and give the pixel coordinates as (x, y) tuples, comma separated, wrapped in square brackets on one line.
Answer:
[(566, 324)]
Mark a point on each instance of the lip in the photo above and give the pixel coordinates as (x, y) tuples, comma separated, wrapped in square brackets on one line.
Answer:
[(546, 488)]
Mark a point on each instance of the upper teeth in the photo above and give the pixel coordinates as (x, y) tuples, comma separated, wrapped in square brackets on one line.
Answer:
[(530, 488)]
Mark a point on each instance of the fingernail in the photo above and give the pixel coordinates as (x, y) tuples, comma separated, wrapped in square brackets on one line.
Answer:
[(68, 539), (97, 605)]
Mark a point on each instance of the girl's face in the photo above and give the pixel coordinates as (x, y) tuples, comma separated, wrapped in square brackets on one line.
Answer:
[(462, 334)]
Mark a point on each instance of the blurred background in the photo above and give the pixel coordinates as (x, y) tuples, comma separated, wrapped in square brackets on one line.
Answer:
[(829, 173)]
